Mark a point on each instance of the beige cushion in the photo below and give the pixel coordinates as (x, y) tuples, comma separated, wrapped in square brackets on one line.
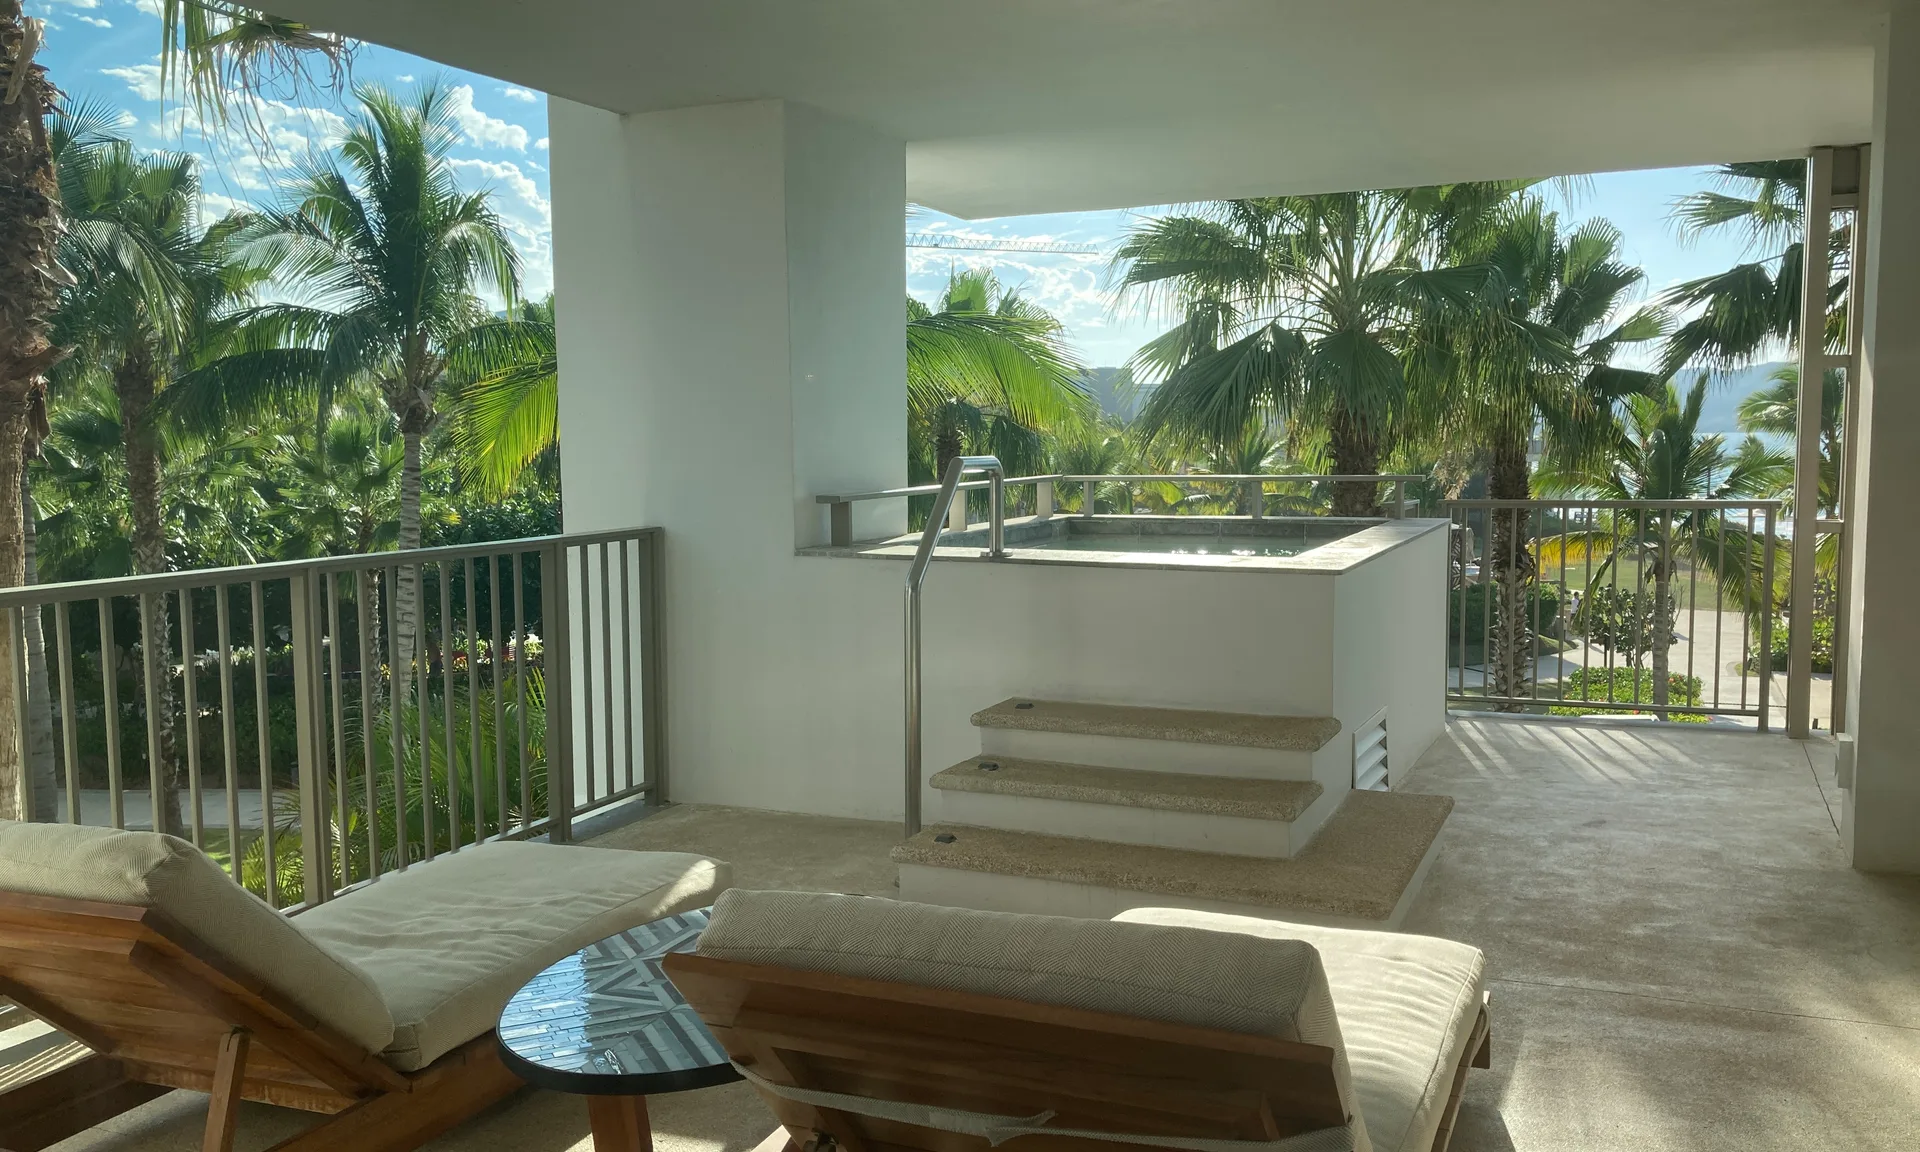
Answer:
[(1246, 984), (450, 941), (1407, 1008), (149, 870)]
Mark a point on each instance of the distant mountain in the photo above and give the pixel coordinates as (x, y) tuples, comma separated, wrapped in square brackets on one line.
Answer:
[(1114, 390), (1725, 390)]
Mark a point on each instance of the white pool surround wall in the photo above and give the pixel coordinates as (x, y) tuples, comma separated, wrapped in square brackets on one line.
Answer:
[(734, 284)]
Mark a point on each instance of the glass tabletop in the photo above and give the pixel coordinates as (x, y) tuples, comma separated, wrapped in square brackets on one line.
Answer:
[(607, 1021)]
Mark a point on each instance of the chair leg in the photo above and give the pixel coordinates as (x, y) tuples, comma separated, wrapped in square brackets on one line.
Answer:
[(455, 1087), (619, 1124), (223, 1109)]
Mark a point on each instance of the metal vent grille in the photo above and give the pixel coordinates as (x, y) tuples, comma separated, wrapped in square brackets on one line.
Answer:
[(1370, 754)]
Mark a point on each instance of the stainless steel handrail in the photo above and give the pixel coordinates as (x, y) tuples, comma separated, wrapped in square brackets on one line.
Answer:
[(917, 574), (840, 530)]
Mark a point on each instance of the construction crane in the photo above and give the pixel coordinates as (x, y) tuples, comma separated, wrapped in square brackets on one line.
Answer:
[(989, 244)]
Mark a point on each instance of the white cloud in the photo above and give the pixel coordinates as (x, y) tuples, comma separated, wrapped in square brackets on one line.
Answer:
[(96, 21), (508, 174), (524, 95), (144, 79), (525, 214), (150, 7), (77, 3), (213, 206), (480, 128), (541, 143), (405, 78)]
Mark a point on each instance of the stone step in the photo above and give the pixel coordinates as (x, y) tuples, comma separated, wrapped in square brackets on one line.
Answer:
[(1363, 869), (1155, 739), (1230, 814)]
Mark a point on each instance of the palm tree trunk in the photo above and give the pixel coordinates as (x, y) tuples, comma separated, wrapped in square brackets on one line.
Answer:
[(406, 604), (1356, 452), (40, 766), (1509, 564), (29, 227), (135, 383)]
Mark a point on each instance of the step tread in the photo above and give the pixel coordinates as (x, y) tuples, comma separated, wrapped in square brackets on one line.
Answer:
[(1183, 725), (1357, 866), (1247, 798)]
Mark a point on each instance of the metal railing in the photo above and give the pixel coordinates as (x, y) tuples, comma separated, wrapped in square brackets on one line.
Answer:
[(1649, 606), (916, 576), (314, 724), (1047, 489)]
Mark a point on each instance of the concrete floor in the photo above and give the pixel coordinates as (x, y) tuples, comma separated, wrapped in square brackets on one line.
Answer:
[(1680, 957)]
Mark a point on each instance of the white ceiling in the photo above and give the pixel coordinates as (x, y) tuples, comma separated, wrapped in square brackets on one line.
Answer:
[(1014, 106)]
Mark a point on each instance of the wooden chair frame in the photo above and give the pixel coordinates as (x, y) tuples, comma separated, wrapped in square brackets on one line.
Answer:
[(161, 1010), (1092, 1070)]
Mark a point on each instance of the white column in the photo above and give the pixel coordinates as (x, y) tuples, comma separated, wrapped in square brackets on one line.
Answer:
[(731, 286), (1881, 826)]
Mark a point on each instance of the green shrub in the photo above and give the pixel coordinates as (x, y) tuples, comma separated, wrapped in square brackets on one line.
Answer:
[(1628, 685), (1822, 645), (1623, 621)]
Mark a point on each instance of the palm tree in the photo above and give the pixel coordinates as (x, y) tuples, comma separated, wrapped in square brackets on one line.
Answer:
[(1756, 303), (1657, 453), (389, 255), (337, 492), (1300, 308), (989, 370), (217, 52), (1547, 368), (504, 408), (30, 276), (149, 285), (1775, 409)]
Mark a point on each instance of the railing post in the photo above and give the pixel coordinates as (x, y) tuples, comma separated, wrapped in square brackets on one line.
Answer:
[(309, 713), (996, 516), (653, 662), (558, 658), (1043, 500), (957, 515), (1766, 620), (1256, 498), (1399, 500), (23, 759), (1086, 497), (840, 523)]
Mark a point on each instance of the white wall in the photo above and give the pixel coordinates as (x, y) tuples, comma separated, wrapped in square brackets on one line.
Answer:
[(1881, 825), (1390, 619), (725, 268), (733, 286)]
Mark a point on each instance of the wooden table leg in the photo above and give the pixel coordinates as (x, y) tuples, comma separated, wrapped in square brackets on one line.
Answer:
[(619, 1124)]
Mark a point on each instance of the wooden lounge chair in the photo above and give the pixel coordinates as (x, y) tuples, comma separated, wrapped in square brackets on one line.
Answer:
[(881, 1026), (376, 1007)]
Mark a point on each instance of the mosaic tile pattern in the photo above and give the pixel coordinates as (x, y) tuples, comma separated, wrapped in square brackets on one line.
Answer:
[(608, 1009)]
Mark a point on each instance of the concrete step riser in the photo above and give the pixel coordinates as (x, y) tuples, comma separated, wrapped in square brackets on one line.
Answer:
[(1124, 824), (1148, 755)]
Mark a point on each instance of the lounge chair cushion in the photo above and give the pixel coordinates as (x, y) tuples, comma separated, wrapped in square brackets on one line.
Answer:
[(165, 873), (1251, 985), (450, 941), (1407, 1008)]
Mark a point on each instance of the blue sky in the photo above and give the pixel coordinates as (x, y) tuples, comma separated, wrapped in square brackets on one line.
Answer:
[(107, 51)]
